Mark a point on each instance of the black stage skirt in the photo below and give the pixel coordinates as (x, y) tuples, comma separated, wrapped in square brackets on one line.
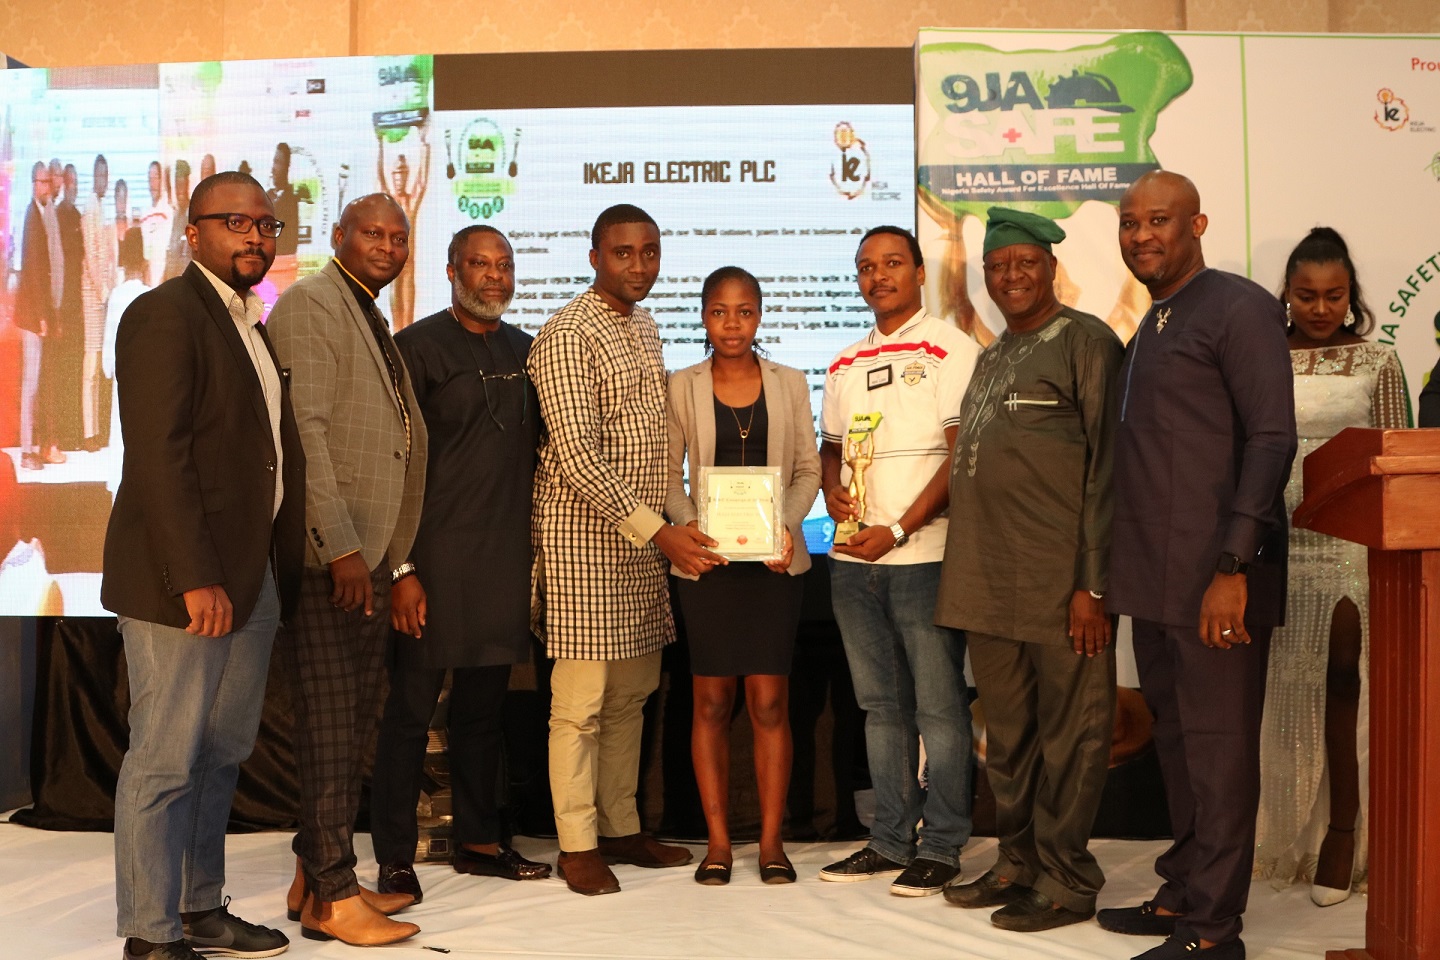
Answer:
[(741, 620)]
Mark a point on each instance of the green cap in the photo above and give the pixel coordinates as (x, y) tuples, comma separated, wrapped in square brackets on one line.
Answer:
[(1007, 227)]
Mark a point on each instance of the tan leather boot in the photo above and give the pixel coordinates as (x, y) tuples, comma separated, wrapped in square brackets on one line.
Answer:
[(386, 903), (351, 921)]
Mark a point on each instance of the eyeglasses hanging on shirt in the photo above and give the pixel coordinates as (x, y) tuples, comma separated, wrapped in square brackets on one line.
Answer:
[(520, 377)]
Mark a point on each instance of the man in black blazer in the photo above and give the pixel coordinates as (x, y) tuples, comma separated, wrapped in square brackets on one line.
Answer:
[(1197, 554), (202, 559)]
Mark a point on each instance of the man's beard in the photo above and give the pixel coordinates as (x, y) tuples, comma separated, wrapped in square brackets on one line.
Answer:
[(478, 306), (245, 279)]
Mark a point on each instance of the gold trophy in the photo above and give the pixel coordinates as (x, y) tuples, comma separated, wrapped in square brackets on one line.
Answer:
[(859, 454)]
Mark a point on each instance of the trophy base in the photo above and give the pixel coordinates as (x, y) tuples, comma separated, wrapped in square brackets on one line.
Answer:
[(847, 529), (436, 840)]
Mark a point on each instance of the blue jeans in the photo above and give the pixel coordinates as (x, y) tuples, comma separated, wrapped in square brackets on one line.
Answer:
[(195, 706), (909, 677)]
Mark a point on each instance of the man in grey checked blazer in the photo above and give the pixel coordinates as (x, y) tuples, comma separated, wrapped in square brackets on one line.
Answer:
[(364, 437), (602, 546)]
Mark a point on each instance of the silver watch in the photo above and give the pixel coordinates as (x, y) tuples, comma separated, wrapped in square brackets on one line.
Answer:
[(898, 532)]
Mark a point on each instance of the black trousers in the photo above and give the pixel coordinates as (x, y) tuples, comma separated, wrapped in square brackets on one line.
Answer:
[(1207, 704), (477, 740)]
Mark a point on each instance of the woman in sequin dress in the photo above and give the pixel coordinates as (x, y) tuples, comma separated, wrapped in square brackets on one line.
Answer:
[(1314, 753)]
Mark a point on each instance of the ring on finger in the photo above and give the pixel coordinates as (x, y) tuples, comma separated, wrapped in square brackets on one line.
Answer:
[(1226, 632)]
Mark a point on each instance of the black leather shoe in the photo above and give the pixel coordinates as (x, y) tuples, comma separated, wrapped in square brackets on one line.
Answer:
[(991, 890), (1034, 912), (507, 864), (400, 878), (1186, 946), (1141, 921)]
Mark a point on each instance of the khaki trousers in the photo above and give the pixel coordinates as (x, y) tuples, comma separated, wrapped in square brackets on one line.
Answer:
[(595, 730)]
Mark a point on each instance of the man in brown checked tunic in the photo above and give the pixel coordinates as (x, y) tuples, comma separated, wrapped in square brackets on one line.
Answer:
[(602, 548)]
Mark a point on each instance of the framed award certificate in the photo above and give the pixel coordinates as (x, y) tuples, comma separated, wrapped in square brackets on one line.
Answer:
[(743, 509)]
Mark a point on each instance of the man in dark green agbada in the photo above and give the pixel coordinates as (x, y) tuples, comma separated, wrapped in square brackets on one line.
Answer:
[(1024, 576)]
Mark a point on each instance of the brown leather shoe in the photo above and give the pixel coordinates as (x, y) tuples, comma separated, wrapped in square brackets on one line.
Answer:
[(586, 873), (351, 921), (643, 850), (386, 903)]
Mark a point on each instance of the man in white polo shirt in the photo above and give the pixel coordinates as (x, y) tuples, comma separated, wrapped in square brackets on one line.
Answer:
[(909, 674)]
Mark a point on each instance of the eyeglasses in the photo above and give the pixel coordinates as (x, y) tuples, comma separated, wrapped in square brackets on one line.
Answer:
[(524, 381), (240, 223)]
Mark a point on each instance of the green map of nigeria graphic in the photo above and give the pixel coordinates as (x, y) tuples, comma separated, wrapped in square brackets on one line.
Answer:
[(1043, 130)]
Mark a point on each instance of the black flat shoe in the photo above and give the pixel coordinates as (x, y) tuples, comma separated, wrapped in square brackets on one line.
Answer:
[(991, 890), (1186, 946), (778, 871), (1034, 912), (1141, 921), (712, 874), (507, 864)]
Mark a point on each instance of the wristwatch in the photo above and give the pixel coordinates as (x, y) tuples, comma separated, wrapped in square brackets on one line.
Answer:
[(401, 572), (898, 532), (1231, 564)]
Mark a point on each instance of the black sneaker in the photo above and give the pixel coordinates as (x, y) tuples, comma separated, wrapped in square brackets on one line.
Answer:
[(923, 878), (174, 950), (220, 933), (861, 865)]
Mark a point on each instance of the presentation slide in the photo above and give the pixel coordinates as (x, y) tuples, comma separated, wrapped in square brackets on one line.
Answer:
[(782, 190)]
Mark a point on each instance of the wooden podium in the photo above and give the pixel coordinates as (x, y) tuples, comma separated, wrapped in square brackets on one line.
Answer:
[(1381, 488)]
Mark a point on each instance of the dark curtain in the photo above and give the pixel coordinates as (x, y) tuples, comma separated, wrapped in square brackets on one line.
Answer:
[(82, 699)]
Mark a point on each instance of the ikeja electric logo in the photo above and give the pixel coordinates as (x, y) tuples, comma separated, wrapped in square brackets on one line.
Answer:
[(854, 173), (1391, 112)]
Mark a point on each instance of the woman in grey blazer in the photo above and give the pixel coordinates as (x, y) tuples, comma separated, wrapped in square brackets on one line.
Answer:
[(736, 408)]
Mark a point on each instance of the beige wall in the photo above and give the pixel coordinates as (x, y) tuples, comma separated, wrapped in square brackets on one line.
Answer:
[(147, 31)]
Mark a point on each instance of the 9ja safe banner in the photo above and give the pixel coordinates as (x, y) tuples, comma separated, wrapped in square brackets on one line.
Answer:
[(1280, 133)]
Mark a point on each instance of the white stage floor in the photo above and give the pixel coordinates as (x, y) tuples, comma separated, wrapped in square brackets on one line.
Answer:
[(57, 901)]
